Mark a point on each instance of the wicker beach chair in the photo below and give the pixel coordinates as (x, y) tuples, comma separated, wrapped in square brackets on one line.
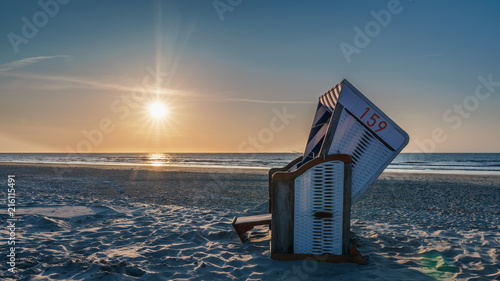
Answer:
[(345, 123)]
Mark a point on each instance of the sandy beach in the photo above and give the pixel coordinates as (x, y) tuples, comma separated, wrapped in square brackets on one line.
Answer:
[(167, 223)]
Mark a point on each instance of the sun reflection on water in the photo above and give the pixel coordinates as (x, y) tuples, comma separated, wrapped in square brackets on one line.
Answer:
[(158, 159)]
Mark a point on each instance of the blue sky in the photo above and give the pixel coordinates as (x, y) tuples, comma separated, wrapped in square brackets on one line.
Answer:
[(224, 74)]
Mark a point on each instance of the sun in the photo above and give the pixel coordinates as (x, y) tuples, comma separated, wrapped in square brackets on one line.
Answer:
[(157, 110)]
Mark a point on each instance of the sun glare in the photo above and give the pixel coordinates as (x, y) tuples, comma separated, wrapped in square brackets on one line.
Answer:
[(157, 110)]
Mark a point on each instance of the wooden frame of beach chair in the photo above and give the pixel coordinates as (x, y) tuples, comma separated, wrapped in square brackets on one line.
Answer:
[(311, 212), (275, 170)]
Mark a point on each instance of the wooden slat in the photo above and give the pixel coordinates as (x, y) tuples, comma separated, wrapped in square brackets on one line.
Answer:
[(253, 219), (274, 170), (244, 224), (346, 220), (283, 214)]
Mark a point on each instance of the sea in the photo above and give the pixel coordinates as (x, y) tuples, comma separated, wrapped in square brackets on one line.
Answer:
[(447, 163)]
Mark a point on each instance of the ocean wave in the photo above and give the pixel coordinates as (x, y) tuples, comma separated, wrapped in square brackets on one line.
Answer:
[(406, 161)]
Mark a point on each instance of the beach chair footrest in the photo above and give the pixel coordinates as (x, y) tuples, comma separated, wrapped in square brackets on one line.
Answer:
[(243, 224)]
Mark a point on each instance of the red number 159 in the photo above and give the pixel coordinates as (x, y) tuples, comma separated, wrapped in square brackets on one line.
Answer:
[(373, 120)]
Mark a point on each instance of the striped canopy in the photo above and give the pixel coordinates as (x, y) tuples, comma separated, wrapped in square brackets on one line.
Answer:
[(319, 128)]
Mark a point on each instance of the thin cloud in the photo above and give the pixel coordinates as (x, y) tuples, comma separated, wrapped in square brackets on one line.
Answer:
[(76, 82), (266, 101), (26, 62), (83, 83)]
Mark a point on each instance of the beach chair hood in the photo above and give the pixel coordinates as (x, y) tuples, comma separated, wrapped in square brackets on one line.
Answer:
[(346, 122)]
